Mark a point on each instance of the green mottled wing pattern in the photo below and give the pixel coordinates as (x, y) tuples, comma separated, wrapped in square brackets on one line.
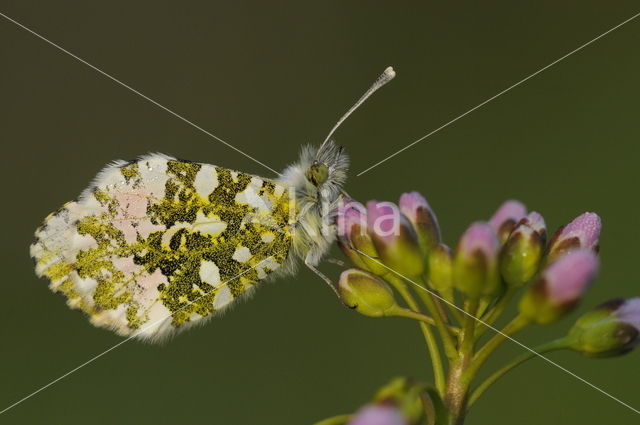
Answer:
[(157, 244)]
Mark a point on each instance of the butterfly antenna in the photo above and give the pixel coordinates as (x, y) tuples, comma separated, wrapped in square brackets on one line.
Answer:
[(383, 79)]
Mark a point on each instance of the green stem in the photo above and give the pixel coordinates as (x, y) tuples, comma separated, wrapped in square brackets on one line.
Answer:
[(495, 313), (424, 295), (510, 329), (442, 300), (444, 312), (405, 312), (452, 306), (445, 301), (432, 345), (459, 379), (545, 348), (444, 330), (466, 338), (336, 420), (483, 305)]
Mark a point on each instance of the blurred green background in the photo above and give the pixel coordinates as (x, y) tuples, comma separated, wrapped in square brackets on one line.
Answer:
[(268, 77)]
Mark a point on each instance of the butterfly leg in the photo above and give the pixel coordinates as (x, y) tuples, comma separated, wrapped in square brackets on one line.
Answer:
[(322, 276), (336, 261)]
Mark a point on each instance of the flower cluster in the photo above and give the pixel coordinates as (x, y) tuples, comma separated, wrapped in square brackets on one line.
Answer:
[(397, 249)]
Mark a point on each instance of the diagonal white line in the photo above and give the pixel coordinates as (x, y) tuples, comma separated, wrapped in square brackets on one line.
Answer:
[(435, 294), (175, 114), (500, 94), (138, 332)]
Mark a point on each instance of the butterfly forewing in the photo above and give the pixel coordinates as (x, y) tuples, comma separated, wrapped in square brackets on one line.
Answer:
[(157, 244)]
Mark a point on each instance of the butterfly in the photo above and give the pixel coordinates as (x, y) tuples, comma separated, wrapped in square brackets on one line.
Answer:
[(157, 245)]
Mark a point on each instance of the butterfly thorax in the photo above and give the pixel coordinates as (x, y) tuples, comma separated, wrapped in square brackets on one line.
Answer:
[(316, 181)]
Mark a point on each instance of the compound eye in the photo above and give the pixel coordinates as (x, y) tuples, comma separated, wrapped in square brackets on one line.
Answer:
[(317, 173)]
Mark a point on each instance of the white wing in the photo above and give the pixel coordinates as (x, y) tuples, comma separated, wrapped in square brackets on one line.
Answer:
[(158, 244)]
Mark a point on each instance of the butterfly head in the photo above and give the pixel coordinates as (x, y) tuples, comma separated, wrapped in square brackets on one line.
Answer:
[(325, 168), (317, 173)]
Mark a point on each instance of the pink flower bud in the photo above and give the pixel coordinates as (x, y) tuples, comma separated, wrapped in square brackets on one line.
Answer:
[(560, 287), (476, 262), (582, 232), (416, 208), (479, 237), (506, 217), (411, 204), (568, 279), (353, 236), (384, 221), (351, 216), (394, 238), (537, 223), (378, 414)]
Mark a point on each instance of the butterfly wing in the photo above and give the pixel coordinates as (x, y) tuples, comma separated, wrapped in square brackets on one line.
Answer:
[(158, 244)]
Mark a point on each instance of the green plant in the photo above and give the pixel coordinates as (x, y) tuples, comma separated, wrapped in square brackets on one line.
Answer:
[(458, 295)]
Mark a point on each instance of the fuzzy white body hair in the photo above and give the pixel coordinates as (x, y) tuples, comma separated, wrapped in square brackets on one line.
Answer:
[(315, 229)]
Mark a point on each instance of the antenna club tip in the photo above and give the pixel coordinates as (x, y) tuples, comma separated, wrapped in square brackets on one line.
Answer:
[(383, 79), (389, 72)]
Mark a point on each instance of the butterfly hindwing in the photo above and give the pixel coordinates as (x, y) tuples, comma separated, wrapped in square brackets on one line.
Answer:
[(157, 244)]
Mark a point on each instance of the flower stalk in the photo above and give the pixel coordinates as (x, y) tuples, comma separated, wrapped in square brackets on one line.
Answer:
[(515, 325), (429, 336), (557, 344), (459, 379)]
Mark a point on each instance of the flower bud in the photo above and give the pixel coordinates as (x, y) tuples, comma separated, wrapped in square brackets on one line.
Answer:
[(506, 217), (441, 268), (610, 329), (582, 232), (560, 287), (536, 222), (350, 221), (379, 414), (416, 208), (475, 267), (394, 239), (366, 293), (353, 237), (521, 254)]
